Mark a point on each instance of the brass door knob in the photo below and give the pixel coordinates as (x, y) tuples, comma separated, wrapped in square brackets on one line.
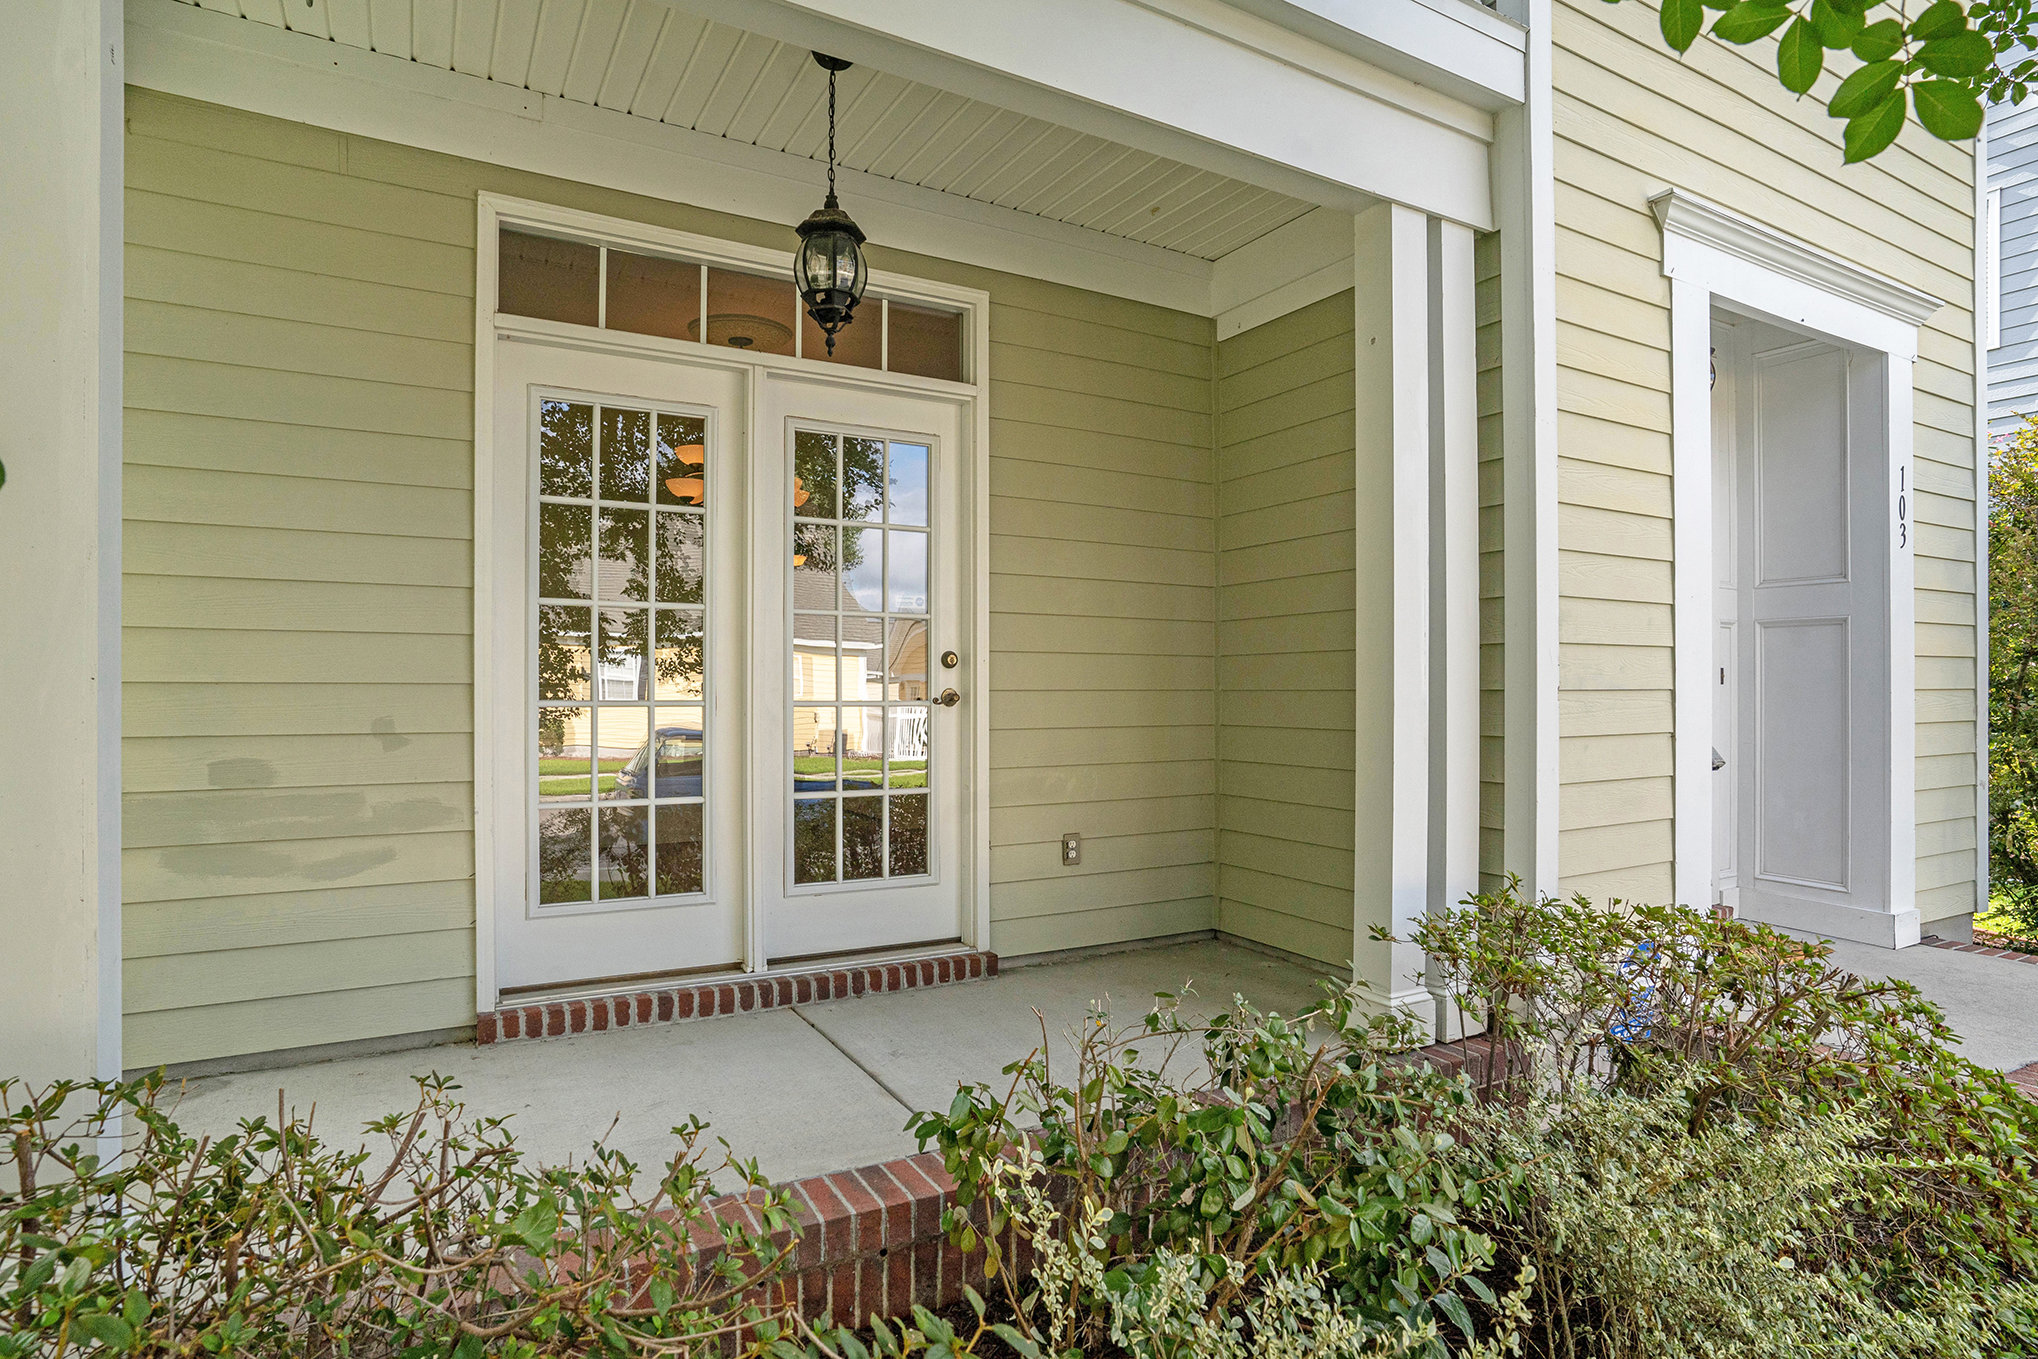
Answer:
[(949, 698)]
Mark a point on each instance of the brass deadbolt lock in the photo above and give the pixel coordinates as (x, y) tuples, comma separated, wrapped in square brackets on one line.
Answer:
[(949, 660)]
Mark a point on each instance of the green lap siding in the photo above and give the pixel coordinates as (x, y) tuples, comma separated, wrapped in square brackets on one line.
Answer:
[(1286, 639), (298, 729)]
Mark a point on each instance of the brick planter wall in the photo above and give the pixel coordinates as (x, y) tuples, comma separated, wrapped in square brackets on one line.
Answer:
[(729, 995)]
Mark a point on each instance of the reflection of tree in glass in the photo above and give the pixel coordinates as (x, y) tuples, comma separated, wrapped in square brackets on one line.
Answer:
[(863, 851), (563, 857), (563, 646), (679, 849), (863, 478), (626, 852), (565, 548), (680, 655), (815, 545), (566, 449), (625, 639), (626, 554), (680, 548), (814, 840), (552, 732)]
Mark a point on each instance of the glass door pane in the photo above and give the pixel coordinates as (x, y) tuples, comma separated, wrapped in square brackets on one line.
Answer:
[(621, 545), (861, 732)]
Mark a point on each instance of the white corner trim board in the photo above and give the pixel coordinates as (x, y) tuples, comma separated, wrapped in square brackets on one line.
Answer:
[(1709, 255)]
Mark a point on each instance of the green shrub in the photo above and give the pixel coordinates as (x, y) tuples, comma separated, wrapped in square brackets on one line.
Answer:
[(2012, 678), (1706, 1100), (271, 1242), (1248, 1185)]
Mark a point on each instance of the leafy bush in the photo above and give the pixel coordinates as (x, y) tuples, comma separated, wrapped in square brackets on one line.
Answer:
[(2012, 677), (1293, 1196), (271, 1242), (1698, 1139), (1733, 1148)]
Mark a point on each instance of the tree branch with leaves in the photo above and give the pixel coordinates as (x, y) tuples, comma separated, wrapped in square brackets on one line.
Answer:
[(1942, 62)]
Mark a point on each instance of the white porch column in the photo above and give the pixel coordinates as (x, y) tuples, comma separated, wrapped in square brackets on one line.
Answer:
[(1525, 202), (1454, 567), (61, 102), (1391, 514)]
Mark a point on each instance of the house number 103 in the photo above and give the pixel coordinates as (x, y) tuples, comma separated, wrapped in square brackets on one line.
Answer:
[(1903, 517)]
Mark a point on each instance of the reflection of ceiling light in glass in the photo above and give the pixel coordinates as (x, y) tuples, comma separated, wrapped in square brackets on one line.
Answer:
[(688, 489), (740, 330), (801, 495)]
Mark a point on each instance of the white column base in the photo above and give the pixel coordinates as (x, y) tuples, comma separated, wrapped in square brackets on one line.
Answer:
[(1859, 924)]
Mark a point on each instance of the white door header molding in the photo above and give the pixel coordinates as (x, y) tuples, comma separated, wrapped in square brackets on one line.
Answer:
[(1687, 218)]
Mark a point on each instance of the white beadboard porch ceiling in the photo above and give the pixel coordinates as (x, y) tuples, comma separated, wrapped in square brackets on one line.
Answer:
[(656, 61)]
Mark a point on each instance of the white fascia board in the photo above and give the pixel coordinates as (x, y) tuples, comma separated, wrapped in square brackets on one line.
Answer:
[(182, 50), (1285, 270), (1462, 49), (1198, 81)]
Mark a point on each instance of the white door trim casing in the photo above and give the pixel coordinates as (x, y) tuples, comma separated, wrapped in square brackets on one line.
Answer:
[(492, 691), (1710, 253)]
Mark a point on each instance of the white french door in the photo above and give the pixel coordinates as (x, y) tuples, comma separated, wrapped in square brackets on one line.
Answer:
[(732, 691), (619, 497), (860, 679)]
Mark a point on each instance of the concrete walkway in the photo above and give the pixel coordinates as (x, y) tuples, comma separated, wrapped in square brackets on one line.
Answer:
[(1992, 1003), (805, 1090)]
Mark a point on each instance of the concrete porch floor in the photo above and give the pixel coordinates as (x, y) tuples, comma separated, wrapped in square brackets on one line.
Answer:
[(816, 1088), (804, 1090)]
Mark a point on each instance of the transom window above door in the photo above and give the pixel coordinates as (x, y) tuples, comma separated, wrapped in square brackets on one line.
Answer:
[(861, 724), (621, 619), (591, 284)]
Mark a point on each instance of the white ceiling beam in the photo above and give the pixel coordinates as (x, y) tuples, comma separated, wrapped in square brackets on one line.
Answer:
[(1457, 47), (1198, 81)]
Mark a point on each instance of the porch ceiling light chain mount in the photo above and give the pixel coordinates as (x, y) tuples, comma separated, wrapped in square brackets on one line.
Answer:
[(829, 267)]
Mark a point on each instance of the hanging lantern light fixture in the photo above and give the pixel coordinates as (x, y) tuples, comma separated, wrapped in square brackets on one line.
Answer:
[(829, 267)]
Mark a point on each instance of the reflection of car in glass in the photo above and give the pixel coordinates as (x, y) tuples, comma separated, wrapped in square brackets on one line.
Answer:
[(678, 764)]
